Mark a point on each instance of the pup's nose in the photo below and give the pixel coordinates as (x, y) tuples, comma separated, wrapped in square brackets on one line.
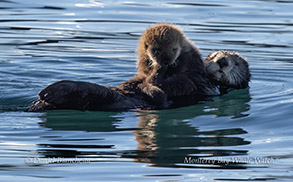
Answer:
[(222, 62), (164, 62)]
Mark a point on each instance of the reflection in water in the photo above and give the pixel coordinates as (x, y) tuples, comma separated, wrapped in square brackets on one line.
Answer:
[(232, 104), (81, 120), (164, 138), (167, 142)]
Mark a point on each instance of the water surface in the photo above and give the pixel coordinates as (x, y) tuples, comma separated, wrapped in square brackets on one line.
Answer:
[(245, 135)]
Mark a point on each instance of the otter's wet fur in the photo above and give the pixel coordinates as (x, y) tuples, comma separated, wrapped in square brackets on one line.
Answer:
[(166, 45), (228, 70), (170, 70), (79, 95)]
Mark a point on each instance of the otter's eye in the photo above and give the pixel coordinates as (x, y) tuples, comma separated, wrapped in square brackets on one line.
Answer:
[(222, 62), (174, 50), (236, 63), (146, 46), (220, 71)]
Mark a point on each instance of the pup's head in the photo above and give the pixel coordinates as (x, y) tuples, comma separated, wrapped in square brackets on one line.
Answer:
[(161, 44)]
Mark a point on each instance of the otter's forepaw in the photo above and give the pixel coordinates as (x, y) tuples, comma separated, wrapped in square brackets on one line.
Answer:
[(155, 96), (39, 106), (153, 80)]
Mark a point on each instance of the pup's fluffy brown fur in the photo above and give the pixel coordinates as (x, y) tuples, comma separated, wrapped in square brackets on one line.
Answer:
[(169, 66)]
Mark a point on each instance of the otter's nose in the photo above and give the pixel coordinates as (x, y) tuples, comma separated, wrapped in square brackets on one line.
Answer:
[(165, 63), (222, 62)]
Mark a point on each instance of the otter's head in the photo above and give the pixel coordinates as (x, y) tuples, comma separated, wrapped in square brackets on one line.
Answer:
[(228, 69), (160, 44)]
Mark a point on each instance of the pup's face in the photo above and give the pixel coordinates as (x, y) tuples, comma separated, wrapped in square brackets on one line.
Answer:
[(161, 44), (163, 54)]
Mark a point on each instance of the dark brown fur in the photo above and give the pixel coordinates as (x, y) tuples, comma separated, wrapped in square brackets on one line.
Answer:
[(84, 96), (228, 69)]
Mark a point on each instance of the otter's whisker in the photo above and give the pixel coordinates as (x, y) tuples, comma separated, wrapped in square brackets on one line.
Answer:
[(241, 76), (231, 78), (152, 63), (235, 78)]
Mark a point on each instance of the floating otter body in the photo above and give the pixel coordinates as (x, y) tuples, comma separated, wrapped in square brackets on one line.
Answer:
[(84, 96), (171, 73)]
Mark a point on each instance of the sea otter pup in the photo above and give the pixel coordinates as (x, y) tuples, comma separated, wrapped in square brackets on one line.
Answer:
[(169, 66), (228, 70)]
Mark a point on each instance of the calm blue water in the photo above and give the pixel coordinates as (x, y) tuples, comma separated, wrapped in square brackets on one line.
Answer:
[(245, 135)]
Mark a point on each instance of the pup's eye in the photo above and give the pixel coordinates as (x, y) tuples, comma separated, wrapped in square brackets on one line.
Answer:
[(220, 71), (174, 50)]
